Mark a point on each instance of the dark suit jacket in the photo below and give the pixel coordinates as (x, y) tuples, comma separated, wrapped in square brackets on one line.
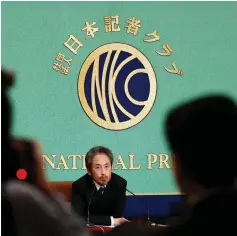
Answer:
[(102, 207), (214, 215)]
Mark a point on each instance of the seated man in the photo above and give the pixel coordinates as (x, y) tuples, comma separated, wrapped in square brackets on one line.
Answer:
[(99, 196)]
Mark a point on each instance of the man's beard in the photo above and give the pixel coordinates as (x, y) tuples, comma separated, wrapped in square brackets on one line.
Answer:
[(104, 183)]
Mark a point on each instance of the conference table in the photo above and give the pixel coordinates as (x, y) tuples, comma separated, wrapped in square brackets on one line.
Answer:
[(99, 230)]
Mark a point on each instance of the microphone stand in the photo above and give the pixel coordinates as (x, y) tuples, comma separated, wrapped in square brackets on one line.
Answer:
[(152, 224), (88, 224)]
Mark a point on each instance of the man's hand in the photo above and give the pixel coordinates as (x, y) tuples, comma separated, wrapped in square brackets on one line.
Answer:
[(119, 221)]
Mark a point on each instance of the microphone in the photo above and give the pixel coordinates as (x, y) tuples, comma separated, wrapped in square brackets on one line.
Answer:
[(88, 224), (148, 212), (153, 224), (130, 192)]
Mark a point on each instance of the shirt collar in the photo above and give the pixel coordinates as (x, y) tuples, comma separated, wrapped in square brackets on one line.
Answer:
[(98, 186)]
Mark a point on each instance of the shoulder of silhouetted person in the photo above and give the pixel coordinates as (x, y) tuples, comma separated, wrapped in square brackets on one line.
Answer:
[(36, 213)]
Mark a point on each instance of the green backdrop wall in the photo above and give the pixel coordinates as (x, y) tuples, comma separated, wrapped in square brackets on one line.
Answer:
[(201, 38)]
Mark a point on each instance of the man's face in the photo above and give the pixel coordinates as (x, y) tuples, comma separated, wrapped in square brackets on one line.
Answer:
[(101, 169)]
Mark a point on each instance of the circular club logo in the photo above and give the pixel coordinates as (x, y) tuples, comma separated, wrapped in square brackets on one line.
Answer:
[(117, 86)]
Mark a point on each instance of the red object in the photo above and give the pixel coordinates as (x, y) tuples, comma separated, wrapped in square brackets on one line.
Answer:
[(99, 228), (21, 174)]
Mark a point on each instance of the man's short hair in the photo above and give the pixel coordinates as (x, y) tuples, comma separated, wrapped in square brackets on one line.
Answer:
[(202, 133), (95, 150)]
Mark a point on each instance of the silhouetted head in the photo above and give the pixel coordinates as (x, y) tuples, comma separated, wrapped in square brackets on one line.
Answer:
[(202, 136)]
